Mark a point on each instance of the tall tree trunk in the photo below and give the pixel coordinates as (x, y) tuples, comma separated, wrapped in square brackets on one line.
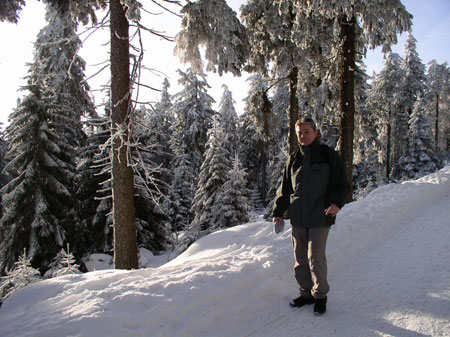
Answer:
[(293, 109), (436, 136), (347, 97), (124, 222)]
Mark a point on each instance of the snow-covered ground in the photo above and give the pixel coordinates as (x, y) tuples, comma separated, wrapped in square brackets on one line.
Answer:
[(389, 272)]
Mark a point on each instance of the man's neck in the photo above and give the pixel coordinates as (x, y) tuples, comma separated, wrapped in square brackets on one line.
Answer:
[(308, 147)]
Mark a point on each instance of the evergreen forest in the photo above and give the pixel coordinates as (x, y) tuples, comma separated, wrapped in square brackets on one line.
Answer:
[(79, 179)]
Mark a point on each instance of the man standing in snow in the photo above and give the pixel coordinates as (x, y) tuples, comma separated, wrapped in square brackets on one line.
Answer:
[(313, 190)]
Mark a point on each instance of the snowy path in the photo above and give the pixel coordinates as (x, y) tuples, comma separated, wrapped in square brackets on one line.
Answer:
[(389, 274)]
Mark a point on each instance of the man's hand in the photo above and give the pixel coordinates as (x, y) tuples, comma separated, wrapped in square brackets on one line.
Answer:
[(278, 225), (333, 210)]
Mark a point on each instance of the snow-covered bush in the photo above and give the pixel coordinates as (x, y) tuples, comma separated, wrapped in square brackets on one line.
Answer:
[(22, 275), (63, 264)]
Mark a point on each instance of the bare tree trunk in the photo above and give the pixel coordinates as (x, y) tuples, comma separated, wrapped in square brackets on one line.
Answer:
[(124, 222), (347, 97), (293, 109)]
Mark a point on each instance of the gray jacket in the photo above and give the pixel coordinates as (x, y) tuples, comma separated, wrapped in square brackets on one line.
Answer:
[(313, 179)]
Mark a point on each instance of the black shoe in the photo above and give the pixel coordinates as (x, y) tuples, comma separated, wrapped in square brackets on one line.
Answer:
[(320, 306), (301, 301)]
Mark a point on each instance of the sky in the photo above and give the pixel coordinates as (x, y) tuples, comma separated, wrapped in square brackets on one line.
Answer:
[(387, 267), (431, 28)]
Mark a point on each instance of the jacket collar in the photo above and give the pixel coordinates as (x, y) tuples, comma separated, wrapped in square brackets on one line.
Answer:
[(315, 144)]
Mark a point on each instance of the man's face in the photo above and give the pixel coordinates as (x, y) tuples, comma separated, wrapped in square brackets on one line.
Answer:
[(306, 134)]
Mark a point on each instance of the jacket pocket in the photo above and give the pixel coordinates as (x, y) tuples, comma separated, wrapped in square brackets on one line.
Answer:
[(295, 211)]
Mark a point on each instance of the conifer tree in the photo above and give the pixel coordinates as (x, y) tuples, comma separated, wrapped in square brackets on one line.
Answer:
[(44, 135), (367, 168), (368, 151), (214, 25), (229, 120), (356, 26), (336, 31), (213, 175), (249, 151), (438, 103), (159, 121), (151, 222), (232, 205), (149, 186), (384, 101), (414, 82), (192, 119), (182, 192), (412, 86), (420, 158), (255, 131), (20, 276), (63, 264), (121, 12), (3, 161), (94, 187)]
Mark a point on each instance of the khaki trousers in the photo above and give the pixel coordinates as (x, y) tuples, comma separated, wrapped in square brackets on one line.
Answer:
[(310, 268)]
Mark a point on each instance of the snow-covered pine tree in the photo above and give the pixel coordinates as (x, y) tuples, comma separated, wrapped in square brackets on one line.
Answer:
[(413, 85), (256, 203), (4, 179), (229, 120), (367, 143), (182, 192), (94, 186), (214, 25), (255, 131), (213, 174), (232, 205), (150, 190), (192, 119), (384, 103), (366, 172), (22, 275), (159, 122), (420, 159), (438, 103), (63, 264), (249, 152), (151, 222), (44, 135)]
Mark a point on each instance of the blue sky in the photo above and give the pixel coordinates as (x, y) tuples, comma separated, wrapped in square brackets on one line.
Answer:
[(431, 28)]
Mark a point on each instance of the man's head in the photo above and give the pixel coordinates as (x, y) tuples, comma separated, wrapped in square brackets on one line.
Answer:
[(306, 131)]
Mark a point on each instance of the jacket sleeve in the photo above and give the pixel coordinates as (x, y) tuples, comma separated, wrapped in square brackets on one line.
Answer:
[(339, 184), (282, 199)]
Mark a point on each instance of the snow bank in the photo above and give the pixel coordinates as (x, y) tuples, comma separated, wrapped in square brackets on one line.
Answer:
[(388, 271)]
